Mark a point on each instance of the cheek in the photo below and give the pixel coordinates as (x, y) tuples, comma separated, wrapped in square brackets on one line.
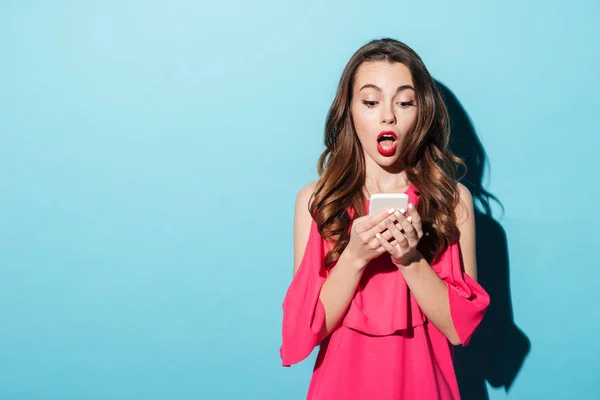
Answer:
[(363, 124), (407, 122)]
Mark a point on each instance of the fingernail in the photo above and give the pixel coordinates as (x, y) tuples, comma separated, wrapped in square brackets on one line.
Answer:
[(397, 213), (390, 211), (377, 235), (409, 219), (387, 221), (410, 205), (402, 210)]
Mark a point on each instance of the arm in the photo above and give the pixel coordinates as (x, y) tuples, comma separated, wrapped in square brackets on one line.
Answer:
[(432, 296), (341, 284), (429, 290)]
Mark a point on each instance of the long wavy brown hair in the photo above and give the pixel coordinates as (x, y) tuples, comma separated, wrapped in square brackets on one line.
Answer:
[(427, 160)]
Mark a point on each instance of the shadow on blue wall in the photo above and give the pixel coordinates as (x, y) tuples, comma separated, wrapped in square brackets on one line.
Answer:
[(498, 348)]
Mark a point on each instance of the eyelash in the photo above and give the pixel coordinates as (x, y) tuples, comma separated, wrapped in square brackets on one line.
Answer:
[(403, 104)]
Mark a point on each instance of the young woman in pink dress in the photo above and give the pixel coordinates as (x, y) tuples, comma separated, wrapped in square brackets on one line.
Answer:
[(386, 297)]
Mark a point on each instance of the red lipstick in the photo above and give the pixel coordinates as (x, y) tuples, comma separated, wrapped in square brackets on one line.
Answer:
[(387, 136)]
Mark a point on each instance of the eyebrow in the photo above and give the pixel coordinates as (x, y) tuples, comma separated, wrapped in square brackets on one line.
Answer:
[(400, 88)]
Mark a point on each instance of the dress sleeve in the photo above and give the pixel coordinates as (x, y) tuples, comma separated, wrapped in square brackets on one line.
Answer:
[(303, 311), (468, 300)]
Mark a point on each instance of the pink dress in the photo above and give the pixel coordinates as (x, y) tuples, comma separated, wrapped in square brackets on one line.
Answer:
[(384, 348)]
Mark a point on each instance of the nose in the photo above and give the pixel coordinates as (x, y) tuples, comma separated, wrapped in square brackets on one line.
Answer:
[(388, 116)]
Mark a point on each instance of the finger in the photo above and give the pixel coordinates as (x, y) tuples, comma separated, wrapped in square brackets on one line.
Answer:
[(415, 219), (374, 245), (403, 243), (369, 238), (382, 225), (392, 240), (387, 235), (385, 244), (399, 236), (371, 222), (409, 230)]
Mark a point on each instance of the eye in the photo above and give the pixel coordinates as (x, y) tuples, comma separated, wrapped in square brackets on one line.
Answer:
[(406, 104), (369, 104)]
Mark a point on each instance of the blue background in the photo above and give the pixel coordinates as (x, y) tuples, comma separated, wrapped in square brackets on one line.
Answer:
[(151, 152)]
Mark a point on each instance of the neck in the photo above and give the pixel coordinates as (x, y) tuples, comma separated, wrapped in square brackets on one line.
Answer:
[(384, 179)]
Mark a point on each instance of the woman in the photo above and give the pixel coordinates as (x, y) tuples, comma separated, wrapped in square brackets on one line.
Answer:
[(385, 296)]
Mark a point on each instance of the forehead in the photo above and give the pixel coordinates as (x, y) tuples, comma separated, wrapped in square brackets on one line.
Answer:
[(383, 74)]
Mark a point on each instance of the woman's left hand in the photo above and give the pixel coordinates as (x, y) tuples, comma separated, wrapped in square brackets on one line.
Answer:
[(406, 232)]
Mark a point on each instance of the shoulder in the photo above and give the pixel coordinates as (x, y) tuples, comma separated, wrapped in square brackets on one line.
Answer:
[(465, 222), (464, 209), (305, 193), (464, 193), (302, 222)]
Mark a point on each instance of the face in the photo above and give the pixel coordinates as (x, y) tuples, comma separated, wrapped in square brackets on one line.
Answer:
[(384, 109)]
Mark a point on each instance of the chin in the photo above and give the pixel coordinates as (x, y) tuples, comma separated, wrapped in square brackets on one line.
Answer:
[(386, 161)]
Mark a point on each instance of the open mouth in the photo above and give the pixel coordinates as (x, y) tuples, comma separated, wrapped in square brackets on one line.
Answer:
[(386, 140), (386, 143)]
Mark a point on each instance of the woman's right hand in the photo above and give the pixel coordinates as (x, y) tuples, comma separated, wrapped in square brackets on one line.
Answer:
[(363, 245)]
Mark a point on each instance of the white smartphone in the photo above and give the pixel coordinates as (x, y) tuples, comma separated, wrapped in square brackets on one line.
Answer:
[(385, 201)]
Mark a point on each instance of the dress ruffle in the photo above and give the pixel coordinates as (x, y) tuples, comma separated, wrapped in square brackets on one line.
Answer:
[(468, 300), (303, 311)]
